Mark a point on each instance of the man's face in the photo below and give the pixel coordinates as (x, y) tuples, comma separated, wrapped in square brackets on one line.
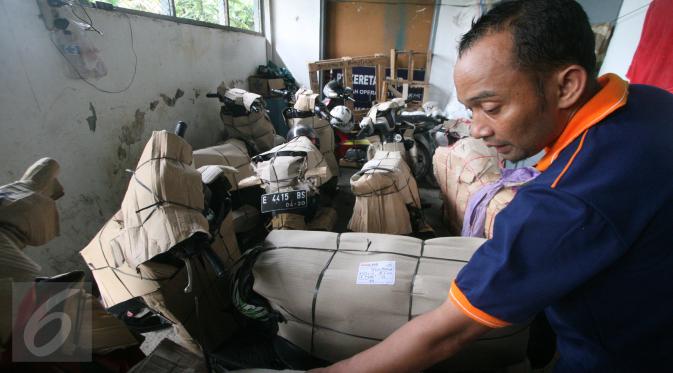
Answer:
[(508, 110)]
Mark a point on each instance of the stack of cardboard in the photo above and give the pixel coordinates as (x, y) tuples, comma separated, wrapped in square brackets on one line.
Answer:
[(342, 293), (461, 170), (384, 190)]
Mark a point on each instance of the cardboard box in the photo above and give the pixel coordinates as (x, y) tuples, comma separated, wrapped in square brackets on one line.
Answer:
[(341, 293), (263, 86)]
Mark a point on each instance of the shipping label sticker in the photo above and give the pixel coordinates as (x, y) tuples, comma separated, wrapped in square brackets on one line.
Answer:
[(376, 273)]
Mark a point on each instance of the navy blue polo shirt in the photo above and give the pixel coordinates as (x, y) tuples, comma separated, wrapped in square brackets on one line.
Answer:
[(596, 251)]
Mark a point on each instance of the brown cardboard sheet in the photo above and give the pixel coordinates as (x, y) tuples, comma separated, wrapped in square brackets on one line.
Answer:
[(231, 153), (383, 189), (342, 293), (461, 170)]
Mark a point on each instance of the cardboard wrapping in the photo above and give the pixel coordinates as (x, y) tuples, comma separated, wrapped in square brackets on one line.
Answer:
[(325, 134), (335, 307), (163, 203), (383, 189), (108, 333), (283, 172), (119, 282), (231, 153), (305, 99), (162, 284), (324, 220), (245, 218), (16, 267), (377, 146), (255, 128), (263, 86), (499, 202), (461, 170), (14, 262), (27, 206)]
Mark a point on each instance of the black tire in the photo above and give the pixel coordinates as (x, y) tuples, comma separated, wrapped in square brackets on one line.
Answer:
[(422, 165), (431, 181)]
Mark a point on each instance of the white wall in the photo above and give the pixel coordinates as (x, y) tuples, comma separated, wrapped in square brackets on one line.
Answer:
[(452, 23), (295, 35), (625, 37), (44, 113)]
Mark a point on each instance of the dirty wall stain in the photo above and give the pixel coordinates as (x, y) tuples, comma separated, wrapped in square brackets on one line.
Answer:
[(92, 118), (153, 104), (132, 133), (171, 101)]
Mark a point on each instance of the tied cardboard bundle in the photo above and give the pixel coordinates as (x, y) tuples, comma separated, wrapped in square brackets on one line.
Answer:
[(164, 201), (255, 128), (343, 293), (461, 170), (27, 206), (326, 136), (297, 164), (383, 190), (163, 284), (118, 281), (231, 153)]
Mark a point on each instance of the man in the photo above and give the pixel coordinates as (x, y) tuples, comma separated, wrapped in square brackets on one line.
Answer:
[(589, 242)]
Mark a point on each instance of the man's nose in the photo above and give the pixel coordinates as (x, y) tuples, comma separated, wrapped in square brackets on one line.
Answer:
[(479, 129)]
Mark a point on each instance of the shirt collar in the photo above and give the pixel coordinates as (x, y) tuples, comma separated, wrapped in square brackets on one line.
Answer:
[(609, 98)]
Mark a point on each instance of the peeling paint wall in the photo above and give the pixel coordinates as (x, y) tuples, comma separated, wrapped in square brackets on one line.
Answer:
[(96, 136)]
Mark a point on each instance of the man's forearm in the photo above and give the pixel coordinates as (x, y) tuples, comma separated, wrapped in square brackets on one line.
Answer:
[(420, 343)]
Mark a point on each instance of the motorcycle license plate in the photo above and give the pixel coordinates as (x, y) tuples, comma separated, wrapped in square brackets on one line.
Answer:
[(295, 199)]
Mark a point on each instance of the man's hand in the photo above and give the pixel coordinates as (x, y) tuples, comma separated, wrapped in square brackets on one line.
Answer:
[(420, 343)]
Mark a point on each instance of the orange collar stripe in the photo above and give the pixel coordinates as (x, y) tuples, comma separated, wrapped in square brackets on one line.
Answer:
[(611, 97)]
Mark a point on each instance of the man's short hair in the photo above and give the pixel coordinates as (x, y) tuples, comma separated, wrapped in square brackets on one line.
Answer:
[(547, 34)]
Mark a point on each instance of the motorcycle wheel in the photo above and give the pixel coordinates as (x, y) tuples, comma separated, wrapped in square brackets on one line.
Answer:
[(431, 180), (422, 162)]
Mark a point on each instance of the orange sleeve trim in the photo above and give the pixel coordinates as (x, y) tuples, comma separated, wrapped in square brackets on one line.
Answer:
[(570, 162), (460, 300)]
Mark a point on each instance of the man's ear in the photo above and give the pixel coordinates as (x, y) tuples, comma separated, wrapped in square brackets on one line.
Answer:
[(571, 82)]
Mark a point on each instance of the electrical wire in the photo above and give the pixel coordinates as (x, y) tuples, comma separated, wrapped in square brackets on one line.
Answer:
[(630, 13), (89, 22), (135, 65)]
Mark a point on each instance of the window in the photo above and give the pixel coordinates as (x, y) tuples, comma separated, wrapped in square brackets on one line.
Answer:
[(242, 14)]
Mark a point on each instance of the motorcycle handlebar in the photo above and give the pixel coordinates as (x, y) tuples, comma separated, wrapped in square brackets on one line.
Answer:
[(181, 128), (214, 261), (362, 133), (213, 95)]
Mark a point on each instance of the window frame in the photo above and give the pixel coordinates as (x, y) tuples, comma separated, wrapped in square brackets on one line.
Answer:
[(196, 22)]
